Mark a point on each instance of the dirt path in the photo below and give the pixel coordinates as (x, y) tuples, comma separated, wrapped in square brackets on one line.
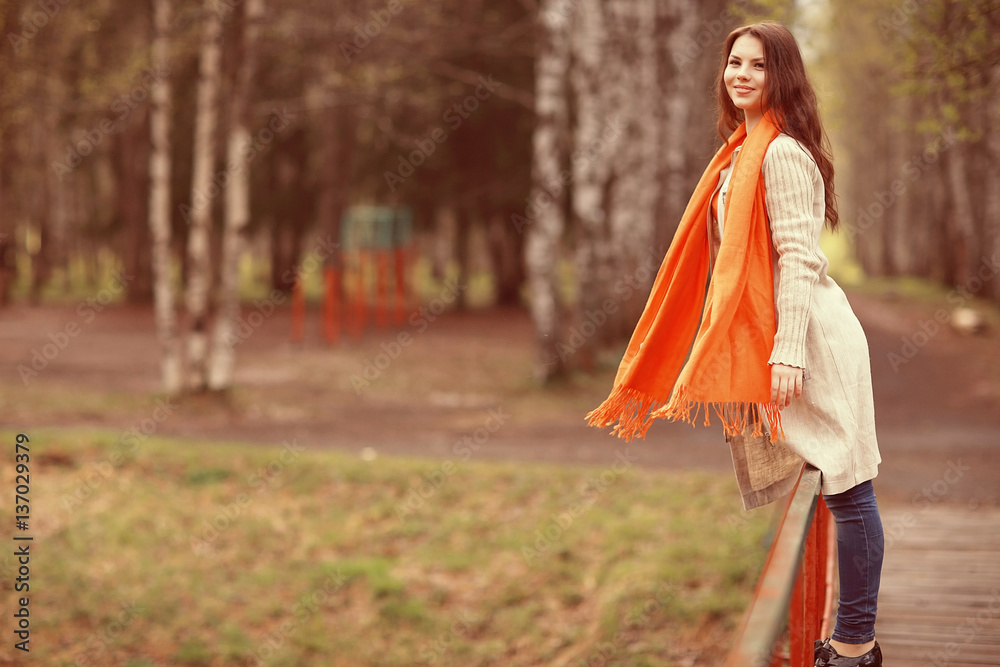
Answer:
[(463, 380)]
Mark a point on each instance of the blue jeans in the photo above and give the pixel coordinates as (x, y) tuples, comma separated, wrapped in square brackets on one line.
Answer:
[(860, 545)]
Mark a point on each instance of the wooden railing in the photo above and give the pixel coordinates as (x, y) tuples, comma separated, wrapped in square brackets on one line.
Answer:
[(795, 589)]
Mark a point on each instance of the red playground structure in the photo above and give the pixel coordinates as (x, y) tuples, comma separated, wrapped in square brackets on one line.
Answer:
[(369, 276)]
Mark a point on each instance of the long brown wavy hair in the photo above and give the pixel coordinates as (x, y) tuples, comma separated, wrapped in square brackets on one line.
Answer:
[(788, 95)]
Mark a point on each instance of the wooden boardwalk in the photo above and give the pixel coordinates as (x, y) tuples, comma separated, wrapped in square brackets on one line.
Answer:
[(939, 605)]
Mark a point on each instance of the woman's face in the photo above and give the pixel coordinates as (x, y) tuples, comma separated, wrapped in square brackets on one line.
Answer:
[(744, 76)]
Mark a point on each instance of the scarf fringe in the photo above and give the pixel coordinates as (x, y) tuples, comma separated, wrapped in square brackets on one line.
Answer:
[(631, 408), (634, 412)]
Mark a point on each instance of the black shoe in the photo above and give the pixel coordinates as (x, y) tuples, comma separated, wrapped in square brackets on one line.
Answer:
[(827, 656)]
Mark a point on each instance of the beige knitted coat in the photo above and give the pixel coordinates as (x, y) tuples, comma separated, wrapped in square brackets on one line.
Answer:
[(832, 425)]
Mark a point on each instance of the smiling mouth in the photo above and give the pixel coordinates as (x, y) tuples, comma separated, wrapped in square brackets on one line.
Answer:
[(742, 89)]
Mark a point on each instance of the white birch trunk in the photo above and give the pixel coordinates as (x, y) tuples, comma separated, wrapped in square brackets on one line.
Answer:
[(637, 130), (160, 168), (594, 67), (615, 193), (545, 210), (631, 204), (237, 211), (678, 64), (203, 191)]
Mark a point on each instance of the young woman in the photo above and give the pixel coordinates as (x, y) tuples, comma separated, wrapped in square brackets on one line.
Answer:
[(772, 346)]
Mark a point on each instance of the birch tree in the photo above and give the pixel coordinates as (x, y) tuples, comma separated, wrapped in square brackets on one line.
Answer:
[(237, 211), (545, 220), (685, 68), (615, 188), (642, 129), (159, 200), (591, 75), (199, 215)]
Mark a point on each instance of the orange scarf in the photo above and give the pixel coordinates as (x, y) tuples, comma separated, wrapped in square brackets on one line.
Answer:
[(727, 366)]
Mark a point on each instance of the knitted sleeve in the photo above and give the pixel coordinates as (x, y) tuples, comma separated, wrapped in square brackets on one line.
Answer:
[(789, 182)]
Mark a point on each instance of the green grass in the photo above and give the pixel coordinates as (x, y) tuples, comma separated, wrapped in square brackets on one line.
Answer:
[(98, 277), (196, 553)]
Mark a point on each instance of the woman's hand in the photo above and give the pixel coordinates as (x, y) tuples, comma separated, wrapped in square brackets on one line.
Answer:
[(786, 381)]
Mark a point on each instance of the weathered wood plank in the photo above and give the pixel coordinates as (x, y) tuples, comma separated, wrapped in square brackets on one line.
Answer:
[(939, 605)]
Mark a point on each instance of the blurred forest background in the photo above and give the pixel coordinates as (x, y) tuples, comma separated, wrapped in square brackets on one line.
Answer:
[(489, 185), (548, 147)]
